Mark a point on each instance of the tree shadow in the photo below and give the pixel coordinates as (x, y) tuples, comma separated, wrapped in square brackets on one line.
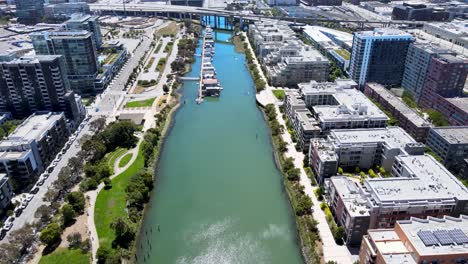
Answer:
[(51, 248)]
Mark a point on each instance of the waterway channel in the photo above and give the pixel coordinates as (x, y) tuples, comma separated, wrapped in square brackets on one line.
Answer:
[(218, 195)]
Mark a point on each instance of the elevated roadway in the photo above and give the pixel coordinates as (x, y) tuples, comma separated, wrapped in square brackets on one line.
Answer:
[(184, 11)]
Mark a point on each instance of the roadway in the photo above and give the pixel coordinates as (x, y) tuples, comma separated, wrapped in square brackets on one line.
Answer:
[(144, 9)]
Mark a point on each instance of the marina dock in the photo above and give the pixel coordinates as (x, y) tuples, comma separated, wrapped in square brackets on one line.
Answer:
[(209, 84)]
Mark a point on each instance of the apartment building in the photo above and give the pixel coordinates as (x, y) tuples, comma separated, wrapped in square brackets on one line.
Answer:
[(80, 21), (419, 187), (303, 122), (408, 119), (339, 106), (6, 192), (37, 83), (417, 240), (446, 77), (287, 60), (323, 159), (29, 11), (419, 12), (450, 144), (79, 52), (361, 148), (417, 64), (379, 56), (349, 208), (455, 31), (33, 145)]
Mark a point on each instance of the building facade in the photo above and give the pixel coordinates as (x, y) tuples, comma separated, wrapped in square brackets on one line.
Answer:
[(379, 56), (450, 144), (79, 52), (32, 146), (6, 193), (408, 119), (37, 83), (79, 22), (29, 11)]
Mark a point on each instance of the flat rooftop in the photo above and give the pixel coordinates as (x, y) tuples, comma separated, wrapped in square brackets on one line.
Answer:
[(446, 231), (307, 120), (33, 59), (384, 32), (394, 137), (349, 192), (460, 102), (428, 180), (324, 149), (33, 128), (398, 104), (453, 134)]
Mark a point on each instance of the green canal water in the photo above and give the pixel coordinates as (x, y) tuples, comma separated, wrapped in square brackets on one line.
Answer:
[(218, 195)]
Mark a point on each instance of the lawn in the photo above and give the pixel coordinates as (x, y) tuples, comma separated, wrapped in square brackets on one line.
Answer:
[(125, 159), (170, 29), (279, 94), (343, 53), (142, 103), (66, 256), (110, 204), (161, 65), (113, 156)]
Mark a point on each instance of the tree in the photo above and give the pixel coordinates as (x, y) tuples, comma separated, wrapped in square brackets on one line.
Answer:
[(340, 170), (288, 164), (9, 252), (63, 181), (165, 88), (24, 237), (107, 183), (51, 234), (44, 213), (74, 240), (282, 146), (76, 165), (98, 124), (293, 174), (437, 118), (304, 205), (77, 201), (371, 173), (124, 231), (68, 214), (102, 254), (338, 235)]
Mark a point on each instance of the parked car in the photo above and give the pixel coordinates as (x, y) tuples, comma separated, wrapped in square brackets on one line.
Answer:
[(7, 226), (24, 205), (32, 192), (45, 175), (18, 212), (40, 182), (2, 234), (30, 196), (50, 169)]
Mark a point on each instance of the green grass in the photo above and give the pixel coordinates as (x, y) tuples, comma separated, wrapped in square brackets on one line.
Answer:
[(279, 94), (343, 53), (66, 256), (110, 204), (113, 156), (125, 159), (142, 103)]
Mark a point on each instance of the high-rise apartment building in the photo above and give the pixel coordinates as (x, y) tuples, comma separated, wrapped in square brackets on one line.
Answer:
[(417, 64), (29, 11), (446, 77), (37, 83), (379, 56), (86, 22), (79, 52)]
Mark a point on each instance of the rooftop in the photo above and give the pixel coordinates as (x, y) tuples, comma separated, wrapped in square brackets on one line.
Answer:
[(460, 102), (61, 34), (453, 134), (449, 232), (394, 137), (409, 113), (423, 179), (384, 32), (33, 59), (349, 191), (307, 120), (33, 128), (324, 149)]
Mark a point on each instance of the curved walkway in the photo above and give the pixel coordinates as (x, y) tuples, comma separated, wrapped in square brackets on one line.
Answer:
[(92, 196)]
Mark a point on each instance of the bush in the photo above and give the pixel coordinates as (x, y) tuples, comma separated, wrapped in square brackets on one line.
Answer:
[(372, 173), (340, 170), (102, 254), (77, 200), (51, 234), (68, 214), (74, 240), (107, 183)]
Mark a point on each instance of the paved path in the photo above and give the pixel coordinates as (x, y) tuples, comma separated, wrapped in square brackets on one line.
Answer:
[(331, 250), (92, 197)]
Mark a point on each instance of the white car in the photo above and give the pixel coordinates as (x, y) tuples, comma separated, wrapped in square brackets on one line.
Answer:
[(7, 226), (24, 205), (29, 197)]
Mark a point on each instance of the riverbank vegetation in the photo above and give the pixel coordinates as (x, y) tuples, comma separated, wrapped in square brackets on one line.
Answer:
[(253, 69), (301, 203)]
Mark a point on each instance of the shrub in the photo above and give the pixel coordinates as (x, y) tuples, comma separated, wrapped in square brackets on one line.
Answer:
[(102, 254), (68, 214), (51, 234), (340, 170)]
